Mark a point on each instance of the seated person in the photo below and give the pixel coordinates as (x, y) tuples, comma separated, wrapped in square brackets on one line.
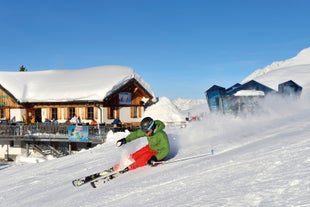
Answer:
[(117, 125)]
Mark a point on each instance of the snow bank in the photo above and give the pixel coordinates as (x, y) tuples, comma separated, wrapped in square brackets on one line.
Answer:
[(33, 158), (164, 110)]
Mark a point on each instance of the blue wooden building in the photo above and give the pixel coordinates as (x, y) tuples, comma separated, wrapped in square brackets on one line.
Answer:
[(244, 98), (290, 88), (214, 95)]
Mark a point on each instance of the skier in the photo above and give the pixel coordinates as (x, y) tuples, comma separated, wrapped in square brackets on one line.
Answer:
[(157, 149)]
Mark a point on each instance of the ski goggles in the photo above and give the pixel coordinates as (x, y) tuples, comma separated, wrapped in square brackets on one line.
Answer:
[(150, 127)]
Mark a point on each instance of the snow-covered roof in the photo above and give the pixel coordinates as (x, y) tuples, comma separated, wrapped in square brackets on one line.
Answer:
[(93, 84), (249, 93)]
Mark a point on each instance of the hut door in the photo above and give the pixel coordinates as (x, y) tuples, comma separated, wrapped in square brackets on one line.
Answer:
[(38, 115)]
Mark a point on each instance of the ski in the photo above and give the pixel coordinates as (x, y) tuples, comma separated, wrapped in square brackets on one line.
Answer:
[(83, 180), (104, 176), (104, 179), (99, 181)]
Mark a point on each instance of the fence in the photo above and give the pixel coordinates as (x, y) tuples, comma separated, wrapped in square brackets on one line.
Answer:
[(41, 130), (46, 139)]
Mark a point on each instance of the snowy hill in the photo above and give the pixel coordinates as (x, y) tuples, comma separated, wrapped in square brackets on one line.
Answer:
[(296, 69), (258, 161)]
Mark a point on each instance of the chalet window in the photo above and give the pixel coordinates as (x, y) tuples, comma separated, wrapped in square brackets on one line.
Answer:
[(2, 115), (135, 112), (71, 112), (90, 112), (54, 113), (113, 112)]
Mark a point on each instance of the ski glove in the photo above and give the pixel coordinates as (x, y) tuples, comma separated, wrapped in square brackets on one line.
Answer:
[(152, 161), (121, 142)]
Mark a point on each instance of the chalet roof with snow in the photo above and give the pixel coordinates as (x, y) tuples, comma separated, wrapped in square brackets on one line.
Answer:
[(90, 84)]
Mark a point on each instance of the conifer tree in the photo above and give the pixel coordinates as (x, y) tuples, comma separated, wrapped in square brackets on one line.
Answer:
[(22, 68)]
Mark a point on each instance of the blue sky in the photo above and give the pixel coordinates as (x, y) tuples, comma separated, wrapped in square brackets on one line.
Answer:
[(180, 47)]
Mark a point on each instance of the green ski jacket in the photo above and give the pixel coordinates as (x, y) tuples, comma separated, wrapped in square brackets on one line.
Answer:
[(158, 141)]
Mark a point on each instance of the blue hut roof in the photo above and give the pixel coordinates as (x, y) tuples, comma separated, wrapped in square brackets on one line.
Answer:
[(291, 84), (289, 88), (233, 87), (215, 88), (251, 85)]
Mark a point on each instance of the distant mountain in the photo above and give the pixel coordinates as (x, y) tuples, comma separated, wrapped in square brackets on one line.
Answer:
[(185, 104), (296, 69)]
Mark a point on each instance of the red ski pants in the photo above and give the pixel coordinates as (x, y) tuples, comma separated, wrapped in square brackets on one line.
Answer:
[(141, 157)]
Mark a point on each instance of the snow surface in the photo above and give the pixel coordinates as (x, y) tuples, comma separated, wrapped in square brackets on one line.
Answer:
[(261, 160), (91, 84)]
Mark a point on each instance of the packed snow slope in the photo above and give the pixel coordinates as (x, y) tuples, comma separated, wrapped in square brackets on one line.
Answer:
[(261, 160)]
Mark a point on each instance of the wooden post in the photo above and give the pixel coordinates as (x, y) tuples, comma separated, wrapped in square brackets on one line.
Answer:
[(7, 152), (27, 150), (69, 148)]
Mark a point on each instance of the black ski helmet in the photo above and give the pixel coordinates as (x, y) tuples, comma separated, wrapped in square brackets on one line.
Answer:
[(147, 124)]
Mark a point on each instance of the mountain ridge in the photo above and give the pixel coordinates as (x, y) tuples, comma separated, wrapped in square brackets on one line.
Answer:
[(302, 58)]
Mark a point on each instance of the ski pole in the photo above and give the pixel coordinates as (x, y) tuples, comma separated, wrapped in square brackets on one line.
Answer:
[(183, 159)]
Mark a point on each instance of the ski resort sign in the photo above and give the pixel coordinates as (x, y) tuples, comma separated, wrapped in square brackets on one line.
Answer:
[(125, 98), (78, 133)]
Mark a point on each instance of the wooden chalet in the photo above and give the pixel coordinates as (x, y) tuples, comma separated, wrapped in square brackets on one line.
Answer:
[(125, 100), (103, 93)]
